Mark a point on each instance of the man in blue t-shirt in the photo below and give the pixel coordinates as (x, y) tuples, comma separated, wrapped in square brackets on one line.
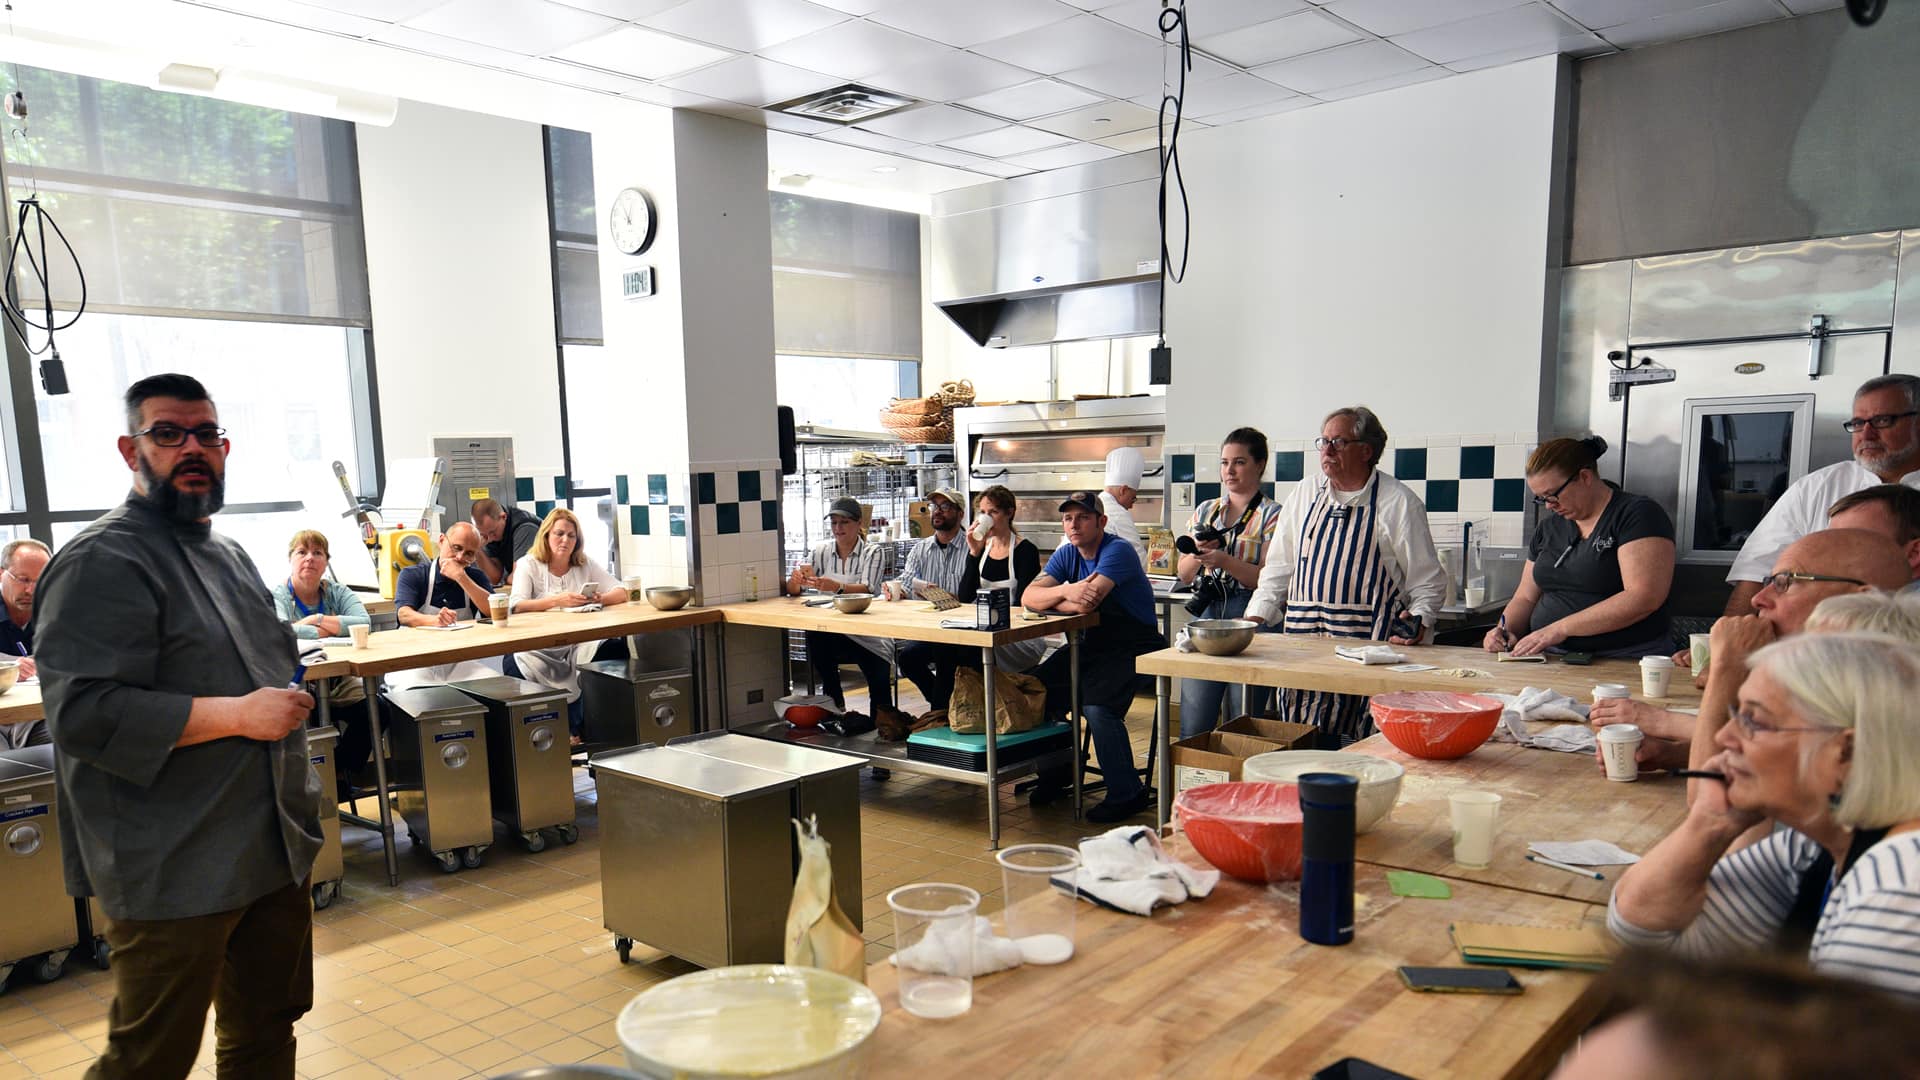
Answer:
[(1097, 572)]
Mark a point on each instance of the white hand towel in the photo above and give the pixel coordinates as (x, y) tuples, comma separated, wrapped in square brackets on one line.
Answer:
[(1126, 869), (945, 950)]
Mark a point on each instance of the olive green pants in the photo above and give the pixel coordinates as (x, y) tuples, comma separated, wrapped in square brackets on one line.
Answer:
[(253, 965)]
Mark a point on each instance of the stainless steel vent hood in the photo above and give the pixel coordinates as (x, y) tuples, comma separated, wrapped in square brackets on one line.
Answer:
[(1067, 255)]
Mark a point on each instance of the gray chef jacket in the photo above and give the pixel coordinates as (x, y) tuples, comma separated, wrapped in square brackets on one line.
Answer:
[(135, 618)]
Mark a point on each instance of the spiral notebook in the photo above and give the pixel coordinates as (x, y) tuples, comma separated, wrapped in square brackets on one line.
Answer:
[(1586, 947)]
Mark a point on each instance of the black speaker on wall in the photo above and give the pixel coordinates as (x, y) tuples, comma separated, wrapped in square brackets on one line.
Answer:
[(789, 448)]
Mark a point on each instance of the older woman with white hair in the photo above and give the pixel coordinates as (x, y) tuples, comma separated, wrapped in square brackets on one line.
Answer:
[(1824, 743), (1875, 612)]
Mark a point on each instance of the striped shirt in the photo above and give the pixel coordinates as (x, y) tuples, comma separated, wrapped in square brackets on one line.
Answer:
[(1868, 930), (1250, 543), (867, 563), (942, 564)]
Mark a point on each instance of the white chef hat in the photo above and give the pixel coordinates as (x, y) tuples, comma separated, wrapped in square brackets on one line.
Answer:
[(1125, 467)]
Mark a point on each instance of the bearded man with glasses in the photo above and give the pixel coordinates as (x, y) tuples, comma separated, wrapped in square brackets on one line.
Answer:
[(1885, 429)]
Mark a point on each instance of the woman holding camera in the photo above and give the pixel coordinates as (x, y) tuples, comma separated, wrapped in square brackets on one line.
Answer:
[(1222, 554)]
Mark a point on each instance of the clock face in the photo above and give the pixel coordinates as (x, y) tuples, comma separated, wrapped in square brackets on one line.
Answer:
[(631, 221)]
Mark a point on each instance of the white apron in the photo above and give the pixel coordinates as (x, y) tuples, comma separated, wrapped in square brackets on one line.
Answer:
[(1014, 656), (458, 671), (1341, 588)]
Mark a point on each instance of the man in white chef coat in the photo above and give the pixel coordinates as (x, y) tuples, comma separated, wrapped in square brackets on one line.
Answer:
[(1886, 450), (1352, 557), (1125, 469)]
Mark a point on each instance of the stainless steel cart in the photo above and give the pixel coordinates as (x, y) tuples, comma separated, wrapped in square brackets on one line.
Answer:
[(329, 867), (40, 927), (529, 768), (88, 920), (628, 704), (439, 772)]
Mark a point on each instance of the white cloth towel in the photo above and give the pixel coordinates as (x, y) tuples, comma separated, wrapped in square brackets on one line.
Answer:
[(1126, 869), (945, 949), (1369, 654), (1183, 641), (1538, 704)]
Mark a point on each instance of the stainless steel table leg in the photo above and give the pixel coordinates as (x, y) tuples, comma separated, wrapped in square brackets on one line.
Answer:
[(318, 689), (993, 753), (1162, 715), (1073, 679), (380, 780)]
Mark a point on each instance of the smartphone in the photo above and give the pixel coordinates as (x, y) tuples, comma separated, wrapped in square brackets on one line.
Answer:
[(1407, 626), (1451, 980), (1355, 1069), (590, 590), (1577, 659)]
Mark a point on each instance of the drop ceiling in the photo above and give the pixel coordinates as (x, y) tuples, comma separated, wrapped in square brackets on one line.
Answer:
[(1008, 86)]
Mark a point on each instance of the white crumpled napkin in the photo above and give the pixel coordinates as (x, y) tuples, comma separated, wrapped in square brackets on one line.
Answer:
[(941, 951), (1182, 641), (1535, 704), (1369, 654), (1126, 869)]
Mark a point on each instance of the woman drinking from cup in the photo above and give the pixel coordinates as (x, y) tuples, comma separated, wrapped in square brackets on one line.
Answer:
[(998, 557), (1225, 547), (557, 574), (1823, 743), (1598, 568), (318, 607)]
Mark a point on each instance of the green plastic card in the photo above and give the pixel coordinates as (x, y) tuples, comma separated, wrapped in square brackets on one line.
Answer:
[(1423, 886)]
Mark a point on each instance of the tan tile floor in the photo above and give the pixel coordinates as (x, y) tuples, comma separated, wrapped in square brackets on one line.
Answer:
[(507, 966)]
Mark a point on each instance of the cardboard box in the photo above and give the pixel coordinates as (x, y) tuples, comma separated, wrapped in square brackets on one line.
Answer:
[(1217, 756), (919, 519)]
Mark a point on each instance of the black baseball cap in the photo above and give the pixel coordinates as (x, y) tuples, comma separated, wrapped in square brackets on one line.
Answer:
[(1082, 500)]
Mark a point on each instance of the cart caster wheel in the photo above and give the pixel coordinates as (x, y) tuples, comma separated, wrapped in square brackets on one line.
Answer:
[(49, 967), (624, 946), (102, 954), (569, 834), (324, 894), (472, 857), (535, 841), (449, 861)]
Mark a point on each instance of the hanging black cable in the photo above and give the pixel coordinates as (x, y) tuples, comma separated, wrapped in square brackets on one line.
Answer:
[(1866, 12), (53, 373), (1173, 20)]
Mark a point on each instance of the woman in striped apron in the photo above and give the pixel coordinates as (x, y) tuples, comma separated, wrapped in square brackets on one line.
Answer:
[(1352, 558)]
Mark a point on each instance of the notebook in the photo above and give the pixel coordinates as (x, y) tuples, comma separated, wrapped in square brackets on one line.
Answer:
[(1536, 658), (1586, 947)]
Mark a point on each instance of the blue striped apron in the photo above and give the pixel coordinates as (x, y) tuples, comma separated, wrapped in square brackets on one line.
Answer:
[(1340, 588)]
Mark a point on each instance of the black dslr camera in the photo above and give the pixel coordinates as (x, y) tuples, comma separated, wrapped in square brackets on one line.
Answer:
[(1211, 585)]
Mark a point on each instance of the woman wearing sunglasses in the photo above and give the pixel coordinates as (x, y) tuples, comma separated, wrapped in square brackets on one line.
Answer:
[(1822, 743), (1598, 568)]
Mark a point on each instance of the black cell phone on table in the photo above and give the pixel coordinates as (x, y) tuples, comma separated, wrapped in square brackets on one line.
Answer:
[(1577, 659), (1453, 980), (1355, 1069)]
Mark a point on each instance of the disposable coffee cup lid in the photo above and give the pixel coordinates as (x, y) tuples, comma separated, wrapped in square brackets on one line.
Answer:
[(1620, 733), (1656, 661)]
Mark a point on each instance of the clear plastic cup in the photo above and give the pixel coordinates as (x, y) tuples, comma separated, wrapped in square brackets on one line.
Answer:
[(933, 947), (1039, 917), (1474, 814)]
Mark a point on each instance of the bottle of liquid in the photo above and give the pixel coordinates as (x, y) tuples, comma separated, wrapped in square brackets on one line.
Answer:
[(1326, 857), (753, 583)]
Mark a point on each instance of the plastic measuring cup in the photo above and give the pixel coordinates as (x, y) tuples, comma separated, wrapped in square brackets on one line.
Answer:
[(933, 939), (1039, 917)]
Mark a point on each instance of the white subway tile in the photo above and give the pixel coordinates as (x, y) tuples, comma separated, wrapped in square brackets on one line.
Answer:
[(1476, 496)]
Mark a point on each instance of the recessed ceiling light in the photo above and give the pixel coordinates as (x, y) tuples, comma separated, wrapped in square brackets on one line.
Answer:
[(1103, 119), (885, 169)]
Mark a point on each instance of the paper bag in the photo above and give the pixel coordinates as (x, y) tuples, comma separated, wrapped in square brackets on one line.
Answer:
[(819, 934), (1018, 702)]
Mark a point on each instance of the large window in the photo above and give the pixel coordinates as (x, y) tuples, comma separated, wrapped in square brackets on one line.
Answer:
[(590, 446)]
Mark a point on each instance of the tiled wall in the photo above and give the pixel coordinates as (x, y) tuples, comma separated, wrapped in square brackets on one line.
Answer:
[(1479, 476)]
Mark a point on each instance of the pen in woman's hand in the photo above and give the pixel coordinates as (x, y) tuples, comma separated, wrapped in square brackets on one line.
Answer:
[(1699, 774)]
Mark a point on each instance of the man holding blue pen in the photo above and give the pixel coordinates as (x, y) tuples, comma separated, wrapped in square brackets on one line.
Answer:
[(188, 804)]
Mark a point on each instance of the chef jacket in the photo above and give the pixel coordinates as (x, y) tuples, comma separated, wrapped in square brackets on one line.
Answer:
[(1802, 509), (1400, 522), (138, 616)]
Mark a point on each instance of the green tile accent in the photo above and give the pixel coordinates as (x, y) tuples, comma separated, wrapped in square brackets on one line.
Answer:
[(676, 521), (657, 489), (641, 521), (749, 485), (726, 518), (560, 487), (543, 507), (703, 488), (620, 491), (769, 515), (523, 489)]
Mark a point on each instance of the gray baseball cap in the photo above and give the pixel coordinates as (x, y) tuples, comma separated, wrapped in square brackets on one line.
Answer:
[(845, 506), (953, 497)]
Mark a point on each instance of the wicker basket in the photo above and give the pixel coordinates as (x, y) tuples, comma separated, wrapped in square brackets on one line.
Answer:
[(927, 419), (919, 406)]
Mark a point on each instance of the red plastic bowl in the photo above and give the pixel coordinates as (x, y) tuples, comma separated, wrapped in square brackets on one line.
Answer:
[(1249, 831), (1435, 724)]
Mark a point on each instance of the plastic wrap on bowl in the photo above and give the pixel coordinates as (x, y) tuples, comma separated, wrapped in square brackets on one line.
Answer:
[(1379, 777), (1436, 724), (1248, 831), (753, 1020)]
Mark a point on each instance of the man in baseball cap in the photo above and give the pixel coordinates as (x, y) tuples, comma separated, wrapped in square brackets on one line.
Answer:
[(844, 564)]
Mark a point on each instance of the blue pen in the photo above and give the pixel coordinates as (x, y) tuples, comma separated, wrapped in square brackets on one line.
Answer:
[(299, 676), (1504, 636)]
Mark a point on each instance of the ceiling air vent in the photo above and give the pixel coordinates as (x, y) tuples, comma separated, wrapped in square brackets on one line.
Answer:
[(844, 104)]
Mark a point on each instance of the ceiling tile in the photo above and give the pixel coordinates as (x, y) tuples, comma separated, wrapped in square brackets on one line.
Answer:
[(674, 99), (635, 50), (869, 140), (1094, 5), (854, 50), (1344, 66), (1135, 141), (406, 37), (1000, 168), (1515, 28), (1081, 41), (932, 123), (1236, 91), (950, 77), (625, 10), (575, 75), (751, 80), (1095, 121), (799, 125), (1061, 157), (940, 155), (1133, 80), (1271, 108), (1389, 17), (965, 23), (1263, 43), (1712, 19), (1391, 82), (1600, 14), (1808, 7), (293, 13), (745, 25), (853, 7), (384, 10), (1037, 98), (533, 27), (1006, 142), (1203, 16)]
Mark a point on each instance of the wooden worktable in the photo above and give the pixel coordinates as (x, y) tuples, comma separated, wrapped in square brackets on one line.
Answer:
[(21, 704), (412, 647), (1226, 987), (1544, 795), (906, 620)]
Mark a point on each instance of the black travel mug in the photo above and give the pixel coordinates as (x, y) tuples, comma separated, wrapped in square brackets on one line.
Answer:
[(1326, 862)]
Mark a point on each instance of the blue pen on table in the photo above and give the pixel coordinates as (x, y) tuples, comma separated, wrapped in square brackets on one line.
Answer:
[(1580, 870)]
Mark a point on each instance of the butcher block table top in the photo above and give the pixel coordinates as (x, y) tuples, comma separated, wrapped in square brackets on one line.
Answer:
[(1307, 662), (904, 620), (1544, 795), (1225, 987), (413, 647), (21, 704)]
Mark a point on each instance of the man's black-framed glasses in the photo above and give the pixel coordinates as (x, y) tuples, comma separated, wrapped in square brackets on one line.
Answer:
[(172, 435), (1880, 423), (1784, 580), (1554, 495)]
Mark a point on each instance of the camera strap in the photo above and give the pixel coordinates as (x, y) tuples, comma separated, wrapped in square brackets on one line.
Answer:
[(1245, 517)]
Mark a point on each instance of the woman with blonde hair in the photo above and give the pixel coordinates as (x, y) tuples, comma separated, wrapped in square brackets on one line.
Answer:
[(557, 574), (318, 607), (1822, 742)]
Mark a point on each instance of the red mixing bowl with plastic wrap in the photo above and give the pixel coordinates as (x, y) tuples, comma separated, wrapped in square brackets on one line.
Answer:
[(1249, 831), (1436, 724)]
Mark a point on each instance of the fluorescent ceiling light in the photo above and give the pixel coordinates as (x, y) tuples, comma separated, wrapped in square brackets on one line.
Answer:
[(273, 92)]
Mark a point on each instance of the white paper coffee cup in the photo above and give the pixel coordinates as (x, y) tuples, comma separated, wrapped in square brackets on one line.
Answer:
[(1476, 595), (359, 634), (1605, 690), (1656, 675), (1619, 745), (1697, 652)]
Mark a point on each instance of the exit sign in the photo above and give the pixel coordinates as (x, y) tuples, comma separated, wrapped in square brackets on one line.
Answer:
[(635, 284)]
